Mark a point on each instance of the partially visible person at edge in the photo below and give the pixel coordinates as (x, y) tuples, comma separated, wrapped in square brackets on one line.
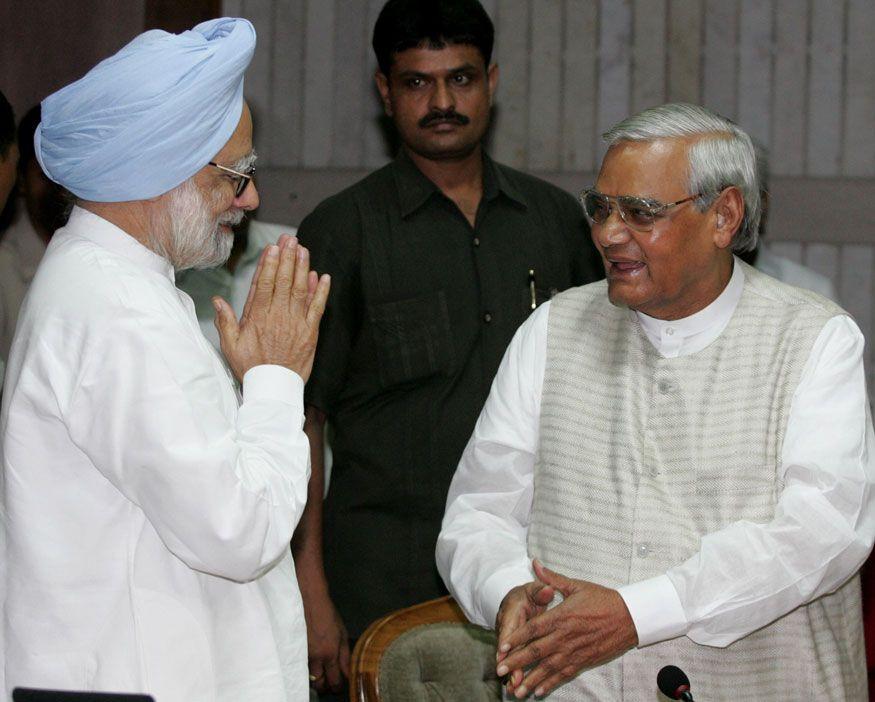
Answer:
[(685, 449), (148, 506), (436, 258), (39, 209), (8, 150)]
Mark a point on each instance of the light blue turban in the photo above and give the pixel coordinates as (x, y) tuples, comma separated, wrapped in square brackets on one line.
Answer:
[(148, 118)]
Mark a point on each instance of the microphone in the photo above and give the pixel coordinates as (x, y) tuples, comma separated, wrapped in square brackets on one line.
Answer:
[(674, 683)]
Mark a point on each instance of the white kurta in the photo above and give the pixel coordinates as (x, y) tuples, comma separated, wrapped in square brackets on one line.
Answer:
[(147, 511), (828, 465)]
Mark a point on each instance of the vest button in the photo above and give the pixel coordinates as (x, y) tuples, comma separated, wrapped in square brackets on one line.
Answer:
[(476, 241), (642, 550), (487, 317)]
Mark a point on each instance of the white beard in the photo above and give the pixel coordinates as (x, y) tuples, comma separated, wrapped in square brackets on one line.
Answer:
[(195, 238)]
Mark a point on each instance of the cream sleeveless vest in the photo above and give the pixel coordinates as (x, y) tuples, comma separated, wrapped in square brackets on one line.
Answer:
[(641, 455)]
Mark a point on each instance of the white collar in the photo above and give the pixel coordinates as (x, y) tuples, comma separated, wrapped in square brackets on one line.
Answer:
[(107, 235), (681, 337)]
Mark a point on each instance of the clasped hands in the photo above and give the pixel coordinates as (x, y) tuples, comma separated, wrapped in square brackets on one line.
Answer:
[(280, 320), (540, 648)]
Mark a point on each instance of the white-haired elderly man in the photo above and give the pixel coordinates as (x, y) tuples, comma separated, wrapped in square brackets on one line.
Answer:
[(148, 506), (686, 446)]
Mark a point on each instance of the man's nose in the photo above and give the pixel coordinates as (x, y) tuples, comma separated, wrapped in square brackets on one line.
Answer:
[(613, 230), (248, 199), (442, 97)]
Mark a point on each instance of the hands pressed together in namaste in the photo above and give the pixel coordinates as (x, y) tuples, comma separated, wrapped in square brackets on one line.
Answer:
[(280, 321)]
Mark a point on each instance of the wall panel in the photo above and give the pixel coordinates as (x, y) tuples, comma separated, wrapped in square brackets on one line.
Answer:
[(790, 88), (721, 58), (545, 101), (648, 54)]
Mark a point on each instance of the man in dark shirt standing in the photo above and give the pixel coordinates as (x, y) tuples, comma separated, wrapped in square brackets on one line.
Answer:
[(436, 259)]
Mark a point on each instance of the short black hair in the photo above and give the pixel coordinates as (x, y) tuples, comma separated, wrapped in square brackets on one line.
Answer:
[(26, 129), (406, 24), (7, 126)]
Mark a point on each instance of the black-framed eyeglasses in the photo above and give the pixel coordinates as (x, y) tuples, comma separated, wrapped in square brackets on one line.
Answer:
[(241, 180), (638, 212)]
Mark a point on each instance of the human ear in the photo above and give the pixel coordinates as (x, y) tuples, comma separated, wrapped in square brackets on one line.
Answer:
[(492, 81), (385, 92), (728, 216)]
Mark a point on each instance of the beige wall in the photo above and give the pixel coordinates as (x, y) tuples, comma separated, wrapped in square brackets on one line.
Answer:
[(799, 75)]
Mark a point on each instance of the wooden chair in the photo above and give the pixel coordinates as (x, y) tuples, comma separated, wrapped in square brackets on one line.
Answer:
[(429, 651)]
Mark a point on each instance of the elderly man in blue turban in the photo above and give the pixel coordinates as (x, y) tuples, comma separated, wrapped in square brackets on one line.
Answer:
[(149, 500)]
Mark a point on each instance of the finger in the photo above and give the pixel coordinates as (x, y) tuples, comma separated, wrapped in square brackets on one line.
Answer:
[(531, 652), (264, 283), (226, 322), (540, 594), (537, 676), (333, 678), (312, 282), (285, 273), (513, 617), (565, 585), (513, 680), (532, 628), (320, 299), (344, 657), (298, 291), (252, 285), (551, 682), (284, 238), (317, 675)]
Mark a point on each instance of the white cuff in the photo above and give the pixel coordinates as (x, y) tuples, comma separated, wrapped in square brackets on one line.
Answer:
[(655, 608), (273, 383), (496, 587)]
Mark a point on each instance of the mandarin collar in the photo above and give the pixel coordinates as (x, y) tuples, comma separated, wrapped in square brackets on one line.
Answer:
[(108, 236), (414, 187), (680, 337)]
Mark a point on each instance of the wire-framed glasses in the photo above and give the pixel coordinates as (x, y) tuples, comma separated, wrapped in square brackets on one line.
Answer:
[(638, 212), (241, 180)]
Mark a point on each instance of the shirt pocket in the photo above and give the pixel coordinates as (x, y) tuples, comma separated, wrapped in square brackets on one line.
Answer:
[(412, 338)]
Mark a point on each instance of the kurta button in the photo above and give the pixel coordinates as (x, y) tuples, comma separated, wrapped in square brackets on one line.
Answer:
[(664, 386), (487, 317), (669, 331), (476, 241), (642, 550)]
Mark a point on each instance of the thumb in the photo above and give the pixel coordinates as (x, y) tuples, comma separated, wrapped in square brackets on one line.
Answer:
[(226, 321), (565, 585)]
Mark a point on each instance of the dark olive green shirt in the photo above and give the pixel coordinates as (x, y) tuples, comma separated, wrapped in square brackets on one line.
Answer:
[(422, 307)]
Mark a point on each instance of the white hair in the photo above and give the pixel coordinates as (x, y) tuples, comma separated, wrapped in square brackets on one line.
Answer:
[(723, 156), (192, 235)]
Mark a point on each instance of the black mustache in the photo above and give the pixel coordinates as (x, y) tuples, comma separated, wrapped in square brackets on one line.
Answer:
[(444, 116)]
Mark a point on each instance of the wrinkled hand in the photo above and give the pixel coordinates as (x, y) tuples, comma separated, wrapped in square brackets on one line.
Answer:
[(327, 645), (280, 321), (518, 607), (590, 627)]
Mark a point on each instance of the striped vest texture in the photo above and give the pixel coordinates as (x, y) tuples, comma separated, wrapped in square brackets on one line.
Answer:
[(640, 456)]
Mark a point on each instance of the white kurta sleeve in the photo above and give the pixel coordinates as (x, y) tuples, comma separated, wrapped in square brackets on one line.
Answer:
[(223, 488), (747, 575), (481, 550)]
